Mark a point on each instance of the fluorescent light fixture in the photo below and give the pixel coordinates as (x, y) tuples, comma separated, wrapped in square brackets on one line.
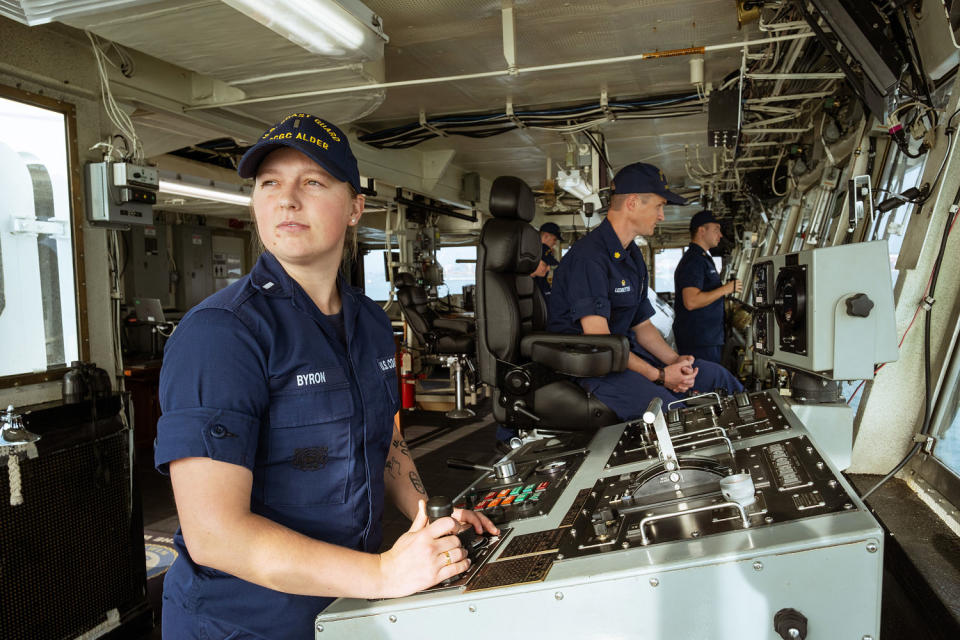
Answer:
[(344, 28), (180, 188)]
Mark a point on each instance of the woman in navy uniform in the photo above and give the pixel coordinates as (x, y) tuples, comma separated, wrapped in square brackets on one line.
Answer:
[(698, 293), (278, 430), (601, 287)]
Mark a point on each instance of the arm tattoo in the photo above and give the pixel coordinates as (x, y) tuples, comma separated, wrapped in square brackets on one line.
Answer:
[(401, 444), (417, 483), (393, 467)]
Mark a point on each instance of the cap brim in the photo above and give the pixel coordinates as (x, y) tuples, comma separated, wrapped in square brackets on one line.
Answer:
[(673, 198), (250, 162)]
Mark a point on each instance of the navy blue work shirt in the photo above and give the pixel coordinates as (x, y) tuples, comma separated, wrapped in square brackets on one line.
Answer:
[(257, 376), (599, 277), (546, 254), (704, 326)]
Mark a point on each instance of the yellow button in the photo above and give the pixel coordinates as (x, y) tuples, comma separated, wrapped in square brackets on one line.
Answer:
[(616, 254)]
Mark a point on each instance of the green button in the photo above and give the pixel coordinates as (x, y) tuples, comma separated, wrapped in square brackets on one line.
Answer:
[(520, 498), (534, 497), (528, 488), (515, 491)]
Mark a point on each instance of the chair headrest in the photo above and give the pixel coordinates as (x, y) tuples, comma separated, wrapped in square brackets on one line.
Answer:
[(510, 247), (405, 279), (511, 198)]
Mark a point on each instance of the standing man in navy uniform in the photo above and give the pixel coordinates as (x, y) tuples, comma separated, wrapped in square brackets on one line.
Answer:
[(279, 396), (550, 236), (698, 293), (601, 288)]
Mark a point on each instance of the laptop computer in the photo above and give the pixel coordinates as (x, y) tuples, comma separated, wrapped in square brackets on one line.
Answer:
[(148, 310)]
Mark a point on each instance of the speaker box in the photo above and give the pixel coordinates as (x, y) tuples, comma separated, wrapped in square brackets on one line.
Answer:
[(72, 555)]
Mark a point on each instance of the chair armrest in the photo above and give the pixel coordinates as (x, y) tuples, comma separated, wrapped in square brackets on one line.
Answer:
[(577, 355), (454, 324)]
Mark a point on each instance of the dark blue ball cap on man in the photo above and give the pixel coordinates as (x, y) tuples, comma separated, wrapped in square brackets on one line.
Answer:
[(553, 229), (641, 177), (315, 138), (701, 218)]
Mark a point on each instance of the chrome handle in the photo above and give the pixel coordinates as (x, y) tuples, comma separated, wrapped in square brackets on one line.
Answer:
[(644, 540)]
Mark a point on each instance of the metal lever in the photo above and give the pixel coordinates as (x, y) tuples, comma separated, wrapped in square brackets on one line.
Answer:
[(519, 407), (701, 395), (644, 540), (504, 469), (653, 416)]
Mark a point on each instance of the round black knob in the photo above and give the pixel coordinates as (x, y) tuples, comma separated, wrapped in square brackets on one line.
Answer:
[(518, 381), (439, 507), (859, 305), (790, 624)]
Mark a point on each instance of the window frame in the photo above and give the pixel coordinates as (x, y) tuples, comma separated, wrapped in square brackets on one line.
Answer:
[(928, 466), (75, 184)]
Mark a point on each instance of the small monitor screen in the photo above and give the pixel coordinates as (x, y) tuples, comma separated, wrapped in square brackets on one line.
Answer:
[(148, 310)]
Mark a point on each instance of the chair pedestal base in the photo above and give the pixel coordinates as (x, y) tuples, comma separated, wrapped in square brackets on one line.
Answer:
[(460, 412)]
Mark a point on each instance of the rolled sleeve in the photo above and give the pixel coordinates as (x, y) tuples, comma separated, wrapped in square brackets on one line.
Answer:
[(213, 391), (589, 291), (217, 434)]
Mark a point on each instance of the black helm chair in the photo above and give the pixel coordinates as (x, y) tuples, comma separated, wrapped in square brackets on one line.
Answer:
[(450, 340), (530, 370)]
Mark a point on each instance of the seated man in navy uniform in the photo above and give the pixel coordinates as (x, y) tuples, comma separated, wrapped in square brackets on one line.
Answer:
[(698, 293), (601, 288), (549, 237)]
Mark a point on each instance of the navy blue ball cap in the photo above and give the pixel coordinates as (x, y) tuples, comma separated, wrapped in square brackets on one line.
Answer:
[(553, 229), (701, 218), (641, 177), (315, 138)]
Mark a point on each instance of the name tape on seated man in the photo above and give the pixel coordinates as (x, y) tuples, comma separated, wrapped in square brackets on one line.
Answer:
[(698, 293), (601, 288), (279, 396)]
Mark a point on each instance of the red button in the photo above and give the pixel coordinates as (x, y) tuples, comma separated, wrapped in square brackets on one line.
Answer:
[(543, 485), (481, 505), (490, 496)]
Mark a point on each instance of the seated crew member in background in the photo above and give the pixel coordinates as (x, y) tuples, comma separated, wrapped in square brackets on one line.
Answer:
[(278, 428), (549, 237), (601, 288), (698, 293)]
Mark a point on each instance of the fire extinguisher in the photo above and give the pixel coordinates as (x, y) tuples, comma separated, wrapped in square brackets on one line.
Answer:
[(408, 381)]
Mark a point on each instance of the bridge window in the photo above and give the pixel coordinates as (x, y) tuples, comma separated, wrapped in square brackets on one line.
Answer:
[(375, 283), (947, 449), (664, 264), (39, 317), (459, 267), (905, 172)]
